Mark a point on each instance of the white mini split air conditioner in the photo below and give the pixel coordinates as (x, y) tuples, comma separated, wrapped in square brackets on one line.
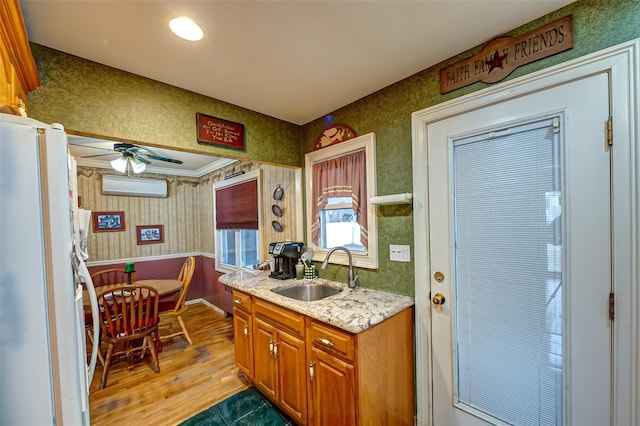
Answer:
[(135, 187)]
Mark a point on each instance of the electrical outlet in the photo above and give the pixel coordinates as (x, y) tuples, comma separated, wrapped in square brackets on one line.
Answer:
[(399, 253)]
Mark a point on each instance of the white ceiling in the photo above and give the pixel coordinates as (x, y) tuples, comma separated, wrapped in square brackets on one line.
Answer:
[(293, 60)]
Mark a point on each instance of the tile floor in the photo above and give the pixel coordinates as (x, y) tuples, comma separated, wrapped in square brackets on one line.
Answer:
[(245, 408)]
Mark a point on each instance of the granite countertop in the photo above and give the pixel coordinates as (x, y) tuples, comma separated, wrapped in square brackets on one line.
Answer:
[(353, 310)]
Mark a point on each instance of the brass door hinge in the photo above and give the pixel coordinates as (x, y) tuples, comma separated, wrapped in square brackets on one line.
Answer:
[(610, 131), (612, 306)]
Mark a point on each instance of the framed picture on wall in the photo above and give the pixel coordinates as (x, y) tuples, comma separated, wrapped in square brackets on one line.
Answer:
[(150, 234), (108, 221)]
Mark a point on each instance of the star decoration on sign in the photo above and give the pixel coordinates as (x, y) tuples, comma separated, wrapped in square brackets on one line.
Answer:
[(495, 61)]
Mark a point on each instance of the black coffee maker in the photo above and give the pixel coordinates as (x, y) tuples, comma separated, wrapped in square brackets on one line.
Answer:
[(286, 255)]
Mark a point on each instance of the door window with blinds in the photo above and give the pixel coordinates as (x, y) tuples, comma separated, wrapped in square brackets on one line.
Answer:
[(237, 236), (508, 323)]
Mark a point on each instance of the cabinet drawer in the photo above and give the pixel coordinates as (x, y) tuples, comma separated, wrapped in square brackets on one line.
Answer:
[(280, 316), (242, 301), (332, 340)]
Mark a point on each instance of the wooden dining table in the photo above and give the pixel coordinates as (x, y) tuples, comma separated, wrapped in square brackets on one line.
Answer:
[(163, 286)]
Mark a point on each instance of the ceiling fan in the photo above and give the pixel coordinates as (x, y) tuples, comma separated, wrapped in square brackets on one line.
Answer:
[(132, 155)]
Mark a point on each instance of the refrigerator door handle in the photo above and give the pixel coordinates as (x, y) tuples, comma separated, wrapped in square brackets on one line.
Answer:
[(84, 275)]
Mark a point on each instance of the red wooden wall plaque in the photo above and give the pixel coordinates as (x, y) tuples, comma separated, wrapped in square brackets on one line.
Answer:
[(216, 131)]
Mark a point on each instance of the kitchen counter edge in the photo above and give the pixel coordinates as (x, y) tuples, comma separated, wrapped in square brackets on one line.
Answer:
[(352, 310)]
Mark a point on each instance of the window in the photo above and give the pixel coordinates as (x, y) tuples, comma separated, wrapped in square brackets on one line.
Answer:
[(237, 214), (339, 225), (238, 248), (340, 180)]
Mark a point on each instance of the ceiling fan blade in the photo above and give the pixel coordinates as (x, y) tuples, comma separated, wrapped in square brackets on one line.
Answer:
[(92, 147), (141, 151), (99, 155), (142, 158), (141, 154), (168, 160), (123, 147), (137, 150)]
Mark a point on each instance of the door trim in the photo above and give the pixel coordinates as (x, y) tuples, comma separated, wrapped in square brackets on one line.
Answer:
[(622, 64)]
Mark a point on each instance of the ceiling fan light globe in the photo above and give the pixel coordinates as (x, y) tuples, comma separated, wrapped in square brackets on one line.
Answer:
[(137, 166), (119, 164)]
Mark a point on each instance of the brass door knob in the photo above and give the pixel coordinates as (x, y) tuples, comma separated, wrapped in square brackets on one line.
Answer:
[(438, 299)]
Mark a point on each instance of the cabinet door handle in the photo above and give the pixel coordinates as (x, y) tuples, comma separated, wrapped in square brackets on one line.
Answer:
[(238, 301), (246, 331), (311, 373), (325, 341), (270, 347), (275, 349)]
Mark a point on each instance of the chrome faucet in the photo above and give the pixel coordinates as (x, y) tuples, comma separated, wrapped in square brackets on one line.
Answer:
[(353, 281)]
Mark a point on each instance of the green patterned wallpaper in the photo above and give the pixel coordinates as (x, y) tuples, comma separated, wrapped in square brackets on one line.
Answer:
[(132, 107), (92, 98), (597, 25)]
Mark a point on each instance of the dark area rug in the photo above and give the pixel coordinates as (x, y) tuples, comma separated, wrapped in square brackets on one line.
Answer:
[(245, 408)]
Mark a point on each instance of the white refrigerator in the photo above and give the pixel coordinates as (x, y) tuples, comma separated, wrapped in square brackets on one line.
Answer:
[(44, 372)]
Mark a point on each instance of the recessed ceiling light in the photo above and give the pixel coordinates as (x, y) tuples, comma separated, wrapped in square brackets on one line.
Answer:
[(185, 28)]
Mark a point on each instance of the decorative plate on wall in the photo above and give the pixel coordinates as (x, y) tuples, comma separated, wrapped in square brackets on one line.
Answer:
[(278, 193), (276, 210), (333, 135), (276, 225)]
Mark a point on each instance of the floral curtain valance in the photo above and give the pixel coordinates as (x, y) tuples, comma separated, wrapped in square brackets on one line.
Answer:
[(343, 176)]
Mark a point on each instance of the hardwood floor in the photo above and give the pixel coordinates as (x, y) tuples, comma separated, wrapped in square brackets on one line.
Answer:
[(192, 377)]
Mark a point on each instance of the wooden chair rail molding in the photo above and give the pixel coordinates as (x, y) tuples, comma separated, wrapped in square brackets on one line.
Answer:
[(19, 74)]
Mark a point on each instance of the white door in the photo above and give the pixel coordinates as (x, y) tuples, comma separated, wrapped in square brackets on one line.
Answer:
[(519, 238)]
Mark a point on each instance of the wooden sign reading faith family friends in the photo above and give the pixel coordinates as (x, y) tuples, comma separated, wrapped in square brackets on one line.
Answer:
[(503, 55)]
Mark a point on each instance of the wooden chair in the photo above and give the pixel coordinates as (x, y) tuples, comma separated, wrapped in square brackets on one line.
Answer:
[(102, 278), (129, 323), (111, 276), (173, 304)]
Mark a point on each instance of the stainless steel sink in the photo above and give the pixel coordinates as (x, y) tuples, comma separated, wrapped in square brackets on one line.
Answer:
[(307, 292)]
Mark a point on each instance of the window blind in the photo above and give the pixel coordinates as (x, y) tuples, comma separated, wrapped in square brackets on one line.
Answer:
[(237, 206), (508, 274)]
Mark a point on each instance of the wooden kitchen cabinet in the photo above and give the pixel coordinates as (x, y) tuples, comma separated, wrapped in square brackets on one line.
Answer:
[(322, 375), (243, 342), (333, 389), (279, 350), (18, 73), (265, 377), (243, 333), (292, 380), (365, 378)]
